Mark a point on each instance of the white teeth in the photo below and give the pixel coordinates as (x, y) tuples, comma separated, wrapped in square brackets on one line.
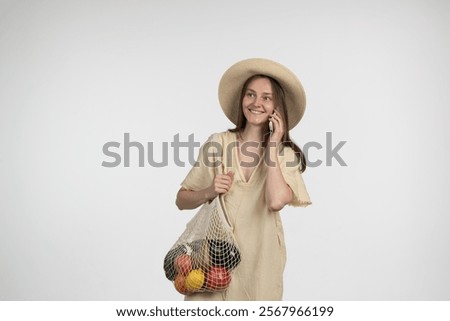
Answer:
[(255, 111)]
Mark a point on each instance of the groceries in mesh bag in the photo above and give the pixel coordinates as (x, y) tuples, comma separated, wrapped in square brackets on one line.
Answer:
[(205, 254), (201, 265)]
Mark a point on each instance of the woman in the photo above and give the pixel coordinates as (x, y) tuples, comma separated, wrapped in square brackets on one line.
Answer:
[(260, 173)]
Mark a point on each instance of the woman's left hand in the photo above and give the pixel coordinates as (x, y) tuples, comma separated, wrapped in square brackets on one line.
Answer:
[(278, 127)]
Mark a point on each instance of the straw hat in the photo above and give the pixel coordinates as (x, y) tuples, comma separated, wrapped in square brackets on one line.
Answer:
[(233, 79)]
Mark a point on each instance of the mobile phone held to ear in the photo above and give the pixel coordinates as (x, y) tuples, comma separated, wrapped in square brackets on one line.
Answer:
[(271, 125)]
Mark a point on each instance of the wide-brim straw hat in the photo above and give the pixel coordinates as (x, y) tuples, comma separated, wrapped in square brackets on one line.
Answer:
[(233, 79)]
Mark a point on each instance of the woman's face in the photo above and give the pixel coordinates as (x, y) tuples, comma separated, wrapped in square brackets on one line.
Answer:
[(258, 101)]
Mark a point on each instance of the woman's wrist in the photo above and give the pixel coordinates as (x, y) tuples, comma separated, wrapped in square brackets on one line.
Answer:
[(209, 194)]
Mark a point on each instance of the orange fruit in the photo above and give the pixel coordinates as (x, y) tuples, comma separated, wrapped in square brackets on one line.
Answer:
[(180, 284)]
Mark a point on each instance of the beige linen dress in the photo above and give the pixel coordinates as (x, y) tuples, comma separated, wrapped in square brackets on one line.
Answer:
[(258, 231)]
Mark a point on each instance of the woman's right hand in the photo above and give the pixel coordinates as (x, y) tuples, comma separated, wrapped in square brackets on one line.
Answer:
[(222, 183), (187, 199)]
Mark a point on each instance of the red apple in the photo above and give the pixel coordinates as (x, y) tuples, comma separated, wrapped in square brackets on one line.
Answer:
[(183, 263), (218, 278)]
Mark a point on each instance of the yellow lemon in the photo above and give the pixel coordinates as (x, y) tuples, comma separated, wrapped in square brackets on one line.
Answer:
[(195, 280)]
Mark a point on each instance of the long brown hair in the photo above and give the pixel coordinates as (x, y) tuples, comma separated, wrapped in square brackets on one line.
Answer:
[(280, 104)]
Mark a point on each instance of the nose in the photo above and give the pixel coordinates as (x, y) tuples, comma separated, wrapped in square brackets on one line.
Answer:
[(258, 101)]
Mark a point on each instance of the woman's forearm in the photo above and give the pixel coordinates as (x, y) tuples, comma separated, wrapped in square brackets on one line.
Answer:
[(277, 191), (187, 199)]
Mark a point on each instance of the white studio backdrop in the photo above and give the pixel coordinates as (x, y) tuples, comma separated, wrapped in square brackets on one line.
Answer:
[(75, 75)]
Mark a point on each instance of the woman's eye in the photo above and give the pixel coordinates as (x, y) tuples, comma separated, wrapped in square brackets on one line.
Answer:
[(267, 98), (250, 95)]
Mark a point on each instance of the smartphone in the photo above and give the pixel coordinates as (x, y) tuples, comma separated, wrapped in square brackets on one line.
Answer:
[(271, 125)]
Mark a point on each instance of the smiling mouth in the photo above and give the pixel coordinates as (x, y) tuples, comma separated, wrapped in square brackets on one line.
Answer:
[(256, 112)]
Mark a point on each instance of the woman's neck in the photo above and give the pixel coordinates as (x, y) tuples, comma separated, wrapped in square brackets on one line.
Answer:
[(251, 133)]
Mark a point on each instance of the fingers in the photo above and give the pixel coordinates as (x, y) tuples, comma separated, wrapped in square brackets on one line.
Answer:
[(223, 182), (276, 118), (278, 126)]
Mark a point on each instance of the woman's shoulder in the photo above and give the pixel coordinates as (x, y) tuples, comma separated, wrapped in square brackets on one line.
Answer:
[(287, 153), (286, 149), (223, 137)]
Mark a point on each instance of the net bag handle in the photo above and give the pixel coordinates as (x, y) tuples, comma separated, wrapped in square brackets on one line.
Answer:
[(223, 214)]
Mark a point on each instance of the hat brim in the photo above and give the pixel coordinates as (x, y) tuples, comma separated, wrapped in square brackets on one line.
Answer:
[(233, 79)]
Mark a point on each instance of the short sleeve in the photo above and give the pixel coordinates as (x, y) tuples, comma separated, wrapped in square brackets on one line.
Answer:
[(202, 173), (290, 168)]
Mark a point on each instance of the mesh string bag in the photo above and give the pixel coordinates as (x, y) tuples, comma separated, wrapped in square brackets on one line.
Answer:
[(205, 255)]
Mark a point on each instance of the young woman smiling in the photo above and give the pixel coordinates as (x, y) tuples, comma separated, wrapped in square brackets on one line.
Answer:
[(260, 175)]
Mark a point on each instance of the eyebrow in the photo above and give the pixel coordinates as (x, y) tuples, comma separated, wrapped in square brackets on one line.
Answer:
[(264, 93)]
